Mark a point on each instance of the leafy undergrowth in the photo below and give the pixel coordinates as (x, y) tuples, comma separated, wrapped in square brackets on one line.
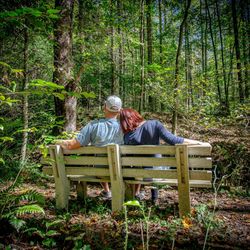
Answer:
[(90, 224)]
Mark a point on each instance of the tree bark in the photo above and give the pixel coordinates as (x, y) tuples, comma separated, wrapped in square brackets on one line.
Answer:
[(25, 97), (114, 81), (160, 29), (215, 53), (245, 34), (222, 57), (237, 51), (63, 75), (149, 48), (142, 72), (176, 78)]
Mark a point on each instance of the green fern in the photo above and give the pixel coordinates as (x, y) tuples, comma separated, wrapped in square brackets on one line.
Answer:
[(28, 209), (11, 207), (31, 195)]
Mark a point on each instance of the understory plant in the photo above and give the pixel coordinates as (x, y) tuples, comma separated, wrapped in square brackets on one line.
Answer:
[(15, 203), (145, 220)]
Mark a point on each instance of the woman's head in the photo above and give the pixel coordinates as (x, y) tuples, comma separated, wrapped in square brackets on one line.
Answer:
[(130, 119)]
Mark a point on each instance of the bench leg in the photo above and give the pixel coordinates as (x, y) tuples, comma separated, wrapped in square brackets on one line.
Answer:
[(129, 191), (62, 183), (183, 180), (117, 185), (81, 189)]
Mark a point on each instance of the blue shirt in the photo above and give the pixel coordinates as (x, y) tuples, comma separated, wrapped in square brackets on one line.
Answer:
[(150, 133), (101, 132)]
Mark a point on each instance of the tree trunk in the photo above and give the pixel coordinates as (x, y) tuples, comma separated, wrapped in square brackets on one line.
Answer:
[(222, 58), (64, 109), (215, 54), (25, 98), (142, 72), (188, 68), (237, 51), (114, 81), (176, 78), (149, 48), (245, 34), (121, 64), (160, 29)]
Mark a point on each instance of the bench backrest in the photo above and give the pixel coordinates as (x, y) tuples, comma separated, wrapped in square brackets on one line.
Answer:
[(134, 159), (190, 165)]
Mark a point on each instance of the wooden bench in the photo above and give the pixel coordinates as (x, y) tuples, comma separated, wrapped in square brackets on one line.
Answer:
[(190, 167)]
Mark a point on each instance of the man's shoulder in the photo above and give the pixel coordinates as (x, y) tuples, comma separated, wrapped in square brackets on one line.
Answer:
[(103, 121)]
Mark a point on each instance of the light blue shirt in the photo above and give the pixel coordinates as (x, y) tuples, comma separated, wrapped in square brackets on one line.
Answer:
[(101, 132)]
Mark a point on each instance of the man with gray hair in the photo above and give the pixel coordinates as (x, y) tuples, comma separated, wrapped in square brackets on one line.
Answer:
[(101, 132)]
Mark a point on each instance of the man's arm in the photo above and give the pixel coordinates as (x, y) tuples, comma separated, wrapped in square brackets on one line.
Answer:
[(70, 144)]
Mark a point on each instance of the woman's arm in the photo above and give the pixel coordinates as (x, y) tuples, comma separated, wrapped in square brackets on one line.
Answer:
[(189, 141)]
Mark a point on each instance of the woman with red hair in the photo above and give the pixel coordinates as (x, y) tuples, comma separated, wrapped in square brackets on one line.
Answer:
[(138, 131)]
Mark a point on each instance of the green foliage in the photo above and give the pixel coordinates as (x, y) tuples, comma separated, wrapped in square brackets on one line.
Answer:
[(232, 161), (206, 218), (13, 204), (47, 232)]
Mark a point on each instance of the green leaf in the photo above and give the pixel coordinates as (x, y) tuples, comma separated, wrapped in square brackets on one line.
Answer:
[(42, 83), (2, 161), (17, 223), (59, 96), (52, 233), (6, 65), (29, 209), (89, 94), (53, 11), (2, 98), (53, 223), (134, 203), (5, 138)]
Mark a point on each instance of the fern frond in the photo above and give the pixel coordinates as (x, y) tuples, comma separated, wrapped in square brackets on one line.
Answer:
[(32, 195), (29, 209), (16, 223), (54, 223)]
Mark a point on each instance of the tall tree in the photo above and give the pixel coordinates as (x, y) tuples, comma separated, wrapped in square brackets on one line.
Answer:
[(160, 28), (25, 97), (114, 81), (149, 47), (237, 51), (215, 53), (176, 77), (222, 56), (63, 63), (142, 56)]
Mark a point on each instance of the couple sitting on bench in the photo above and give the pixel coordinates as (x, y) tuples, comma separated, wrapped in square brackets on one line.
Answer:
[(123, 126)]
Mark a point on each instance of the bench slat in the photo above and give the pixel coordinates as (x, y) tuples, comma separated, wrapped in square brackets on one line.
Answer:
[(148, 161), (144, 173), (201, 150), (147, 149), (73, 170), (86, 150), (165, 174), (86, 160), (173, 182), (200, 162)]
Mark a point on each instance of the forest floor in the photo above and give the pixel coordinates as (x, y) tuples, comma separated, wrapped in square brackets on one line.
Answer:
[(91, 225), (220, 220)]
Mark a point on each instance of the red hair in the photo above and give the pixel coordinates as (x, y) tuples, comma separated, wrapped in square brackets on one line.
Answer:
[(130, 119)]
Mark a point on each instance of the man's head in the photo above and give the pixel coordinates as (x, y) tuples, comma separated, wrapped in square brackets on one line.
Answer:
[(113, 104)]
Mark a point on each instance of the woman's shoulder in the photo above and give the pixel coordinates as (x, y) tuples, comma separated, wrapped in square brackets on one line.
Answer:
[(152, 122)]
